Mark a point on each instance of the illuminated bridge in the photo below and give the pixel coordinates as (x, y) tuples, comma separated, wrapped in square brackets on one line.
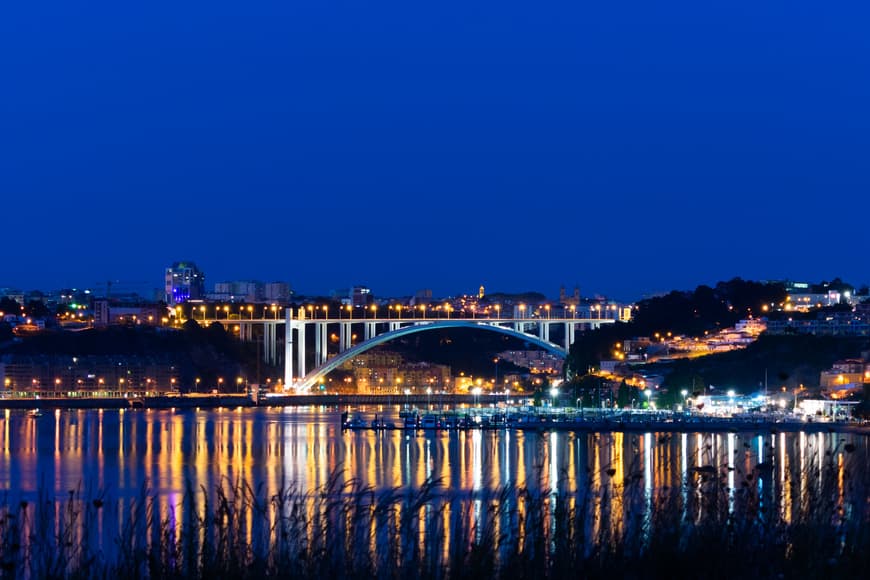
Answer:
[(298, 323)]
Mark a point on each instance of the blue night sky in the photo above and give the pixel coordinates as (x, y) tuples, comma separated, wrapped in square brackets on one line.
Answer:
[(630, 147)]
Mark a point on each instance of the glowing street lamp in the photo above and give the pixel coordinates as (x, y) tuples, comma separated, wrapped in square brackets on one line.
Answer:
[(554, 393), (648, 393)]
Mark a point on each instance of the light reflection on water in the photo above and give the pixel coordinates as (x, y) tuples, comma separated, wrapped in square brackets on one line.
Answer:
[(120, 453)]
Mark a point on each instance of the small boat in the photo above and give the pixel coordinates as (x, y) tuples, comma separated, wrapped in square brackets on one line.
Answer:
[(410, 421), (34, 414), (381, 424), (355, 423), (429, 422)]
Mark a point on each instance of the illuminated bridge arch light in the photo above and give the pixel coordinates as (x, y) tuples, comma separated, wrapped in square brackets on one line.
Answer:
[(315, 377)]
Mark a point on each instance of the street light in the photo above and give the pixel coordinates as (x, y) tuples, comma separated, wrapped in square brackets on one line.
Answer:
[(648, 393), (554, 393), (428, 398), (685, 393)]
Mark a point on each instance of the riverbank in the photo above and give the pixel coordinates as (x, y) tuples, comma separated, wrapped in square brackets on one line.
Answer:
[(638, 422), (212, 401)]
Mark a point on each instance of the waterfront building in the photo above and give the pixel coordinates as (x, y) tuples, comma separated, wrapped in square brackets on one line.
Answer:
[(537, 361), (87, 376), (383, 372), (183, 282)]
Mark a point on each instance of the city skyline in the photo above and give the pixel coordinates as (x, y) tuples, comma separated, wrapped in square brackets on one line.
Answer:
[(212, 287), (630, 149)]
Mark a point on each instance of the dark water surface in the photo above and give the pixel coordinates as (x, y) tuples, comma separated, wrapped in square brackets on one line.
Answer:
[(116, 455), (122, 451)]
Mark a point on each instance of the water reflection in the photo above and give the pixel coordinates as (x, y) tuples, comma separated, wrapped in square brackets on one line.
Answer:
[(613, 478)]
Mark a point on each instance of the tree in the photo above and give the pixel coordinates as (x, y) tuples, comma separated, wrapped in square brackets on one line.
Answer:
[(9, 306), (623, 396), (37, 309)]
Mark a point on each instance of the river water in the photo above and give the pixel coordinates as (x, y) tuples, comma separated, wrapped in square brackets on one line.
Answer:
[(118, 455)]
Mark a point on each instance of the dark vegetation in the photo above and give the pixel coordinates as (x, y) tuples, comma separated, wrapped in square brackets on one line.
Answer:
[(788, 362), (684, 313), (705, 527)]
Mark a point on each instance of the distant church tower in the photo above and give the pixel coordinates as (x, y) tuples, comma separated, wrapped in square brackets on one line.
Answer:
[(565, 300), (480, 293)]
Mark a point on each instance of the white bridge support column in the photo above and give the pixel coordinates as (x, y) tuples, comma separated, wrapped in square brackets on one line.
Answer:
[(318, 344), (288, 348), (273, 343), (370, 330), (300, 345), (266, 343), (395, 326), (570, 335), (344, 336), (324, 350)]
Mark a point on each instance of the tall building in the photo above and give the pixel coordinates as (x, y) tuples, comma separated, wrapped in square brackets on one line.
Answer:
[(277, 292), (360, 296), (184, 281)]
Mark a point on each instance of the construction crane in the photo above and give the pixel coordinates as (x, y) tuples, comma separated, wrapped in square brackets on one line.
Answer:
[(131, 287)]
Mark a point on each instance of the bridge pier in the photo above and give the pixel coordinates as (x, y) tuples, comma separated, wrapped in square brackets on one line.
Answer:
[(300, 347), (288, 347), (344, 336), (318, 345)]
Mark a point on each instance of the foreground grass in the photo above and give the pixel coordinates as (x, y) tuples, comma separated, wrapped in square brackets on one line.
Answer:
[(810, 525)]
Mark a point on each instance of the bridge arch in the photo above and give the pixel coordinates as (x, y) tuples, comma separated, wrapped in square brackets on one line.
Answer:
[(312, 378)]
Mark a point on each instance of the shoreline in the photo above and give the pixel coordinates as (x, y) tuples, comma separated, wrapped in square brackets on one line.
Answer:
[(632, 424)]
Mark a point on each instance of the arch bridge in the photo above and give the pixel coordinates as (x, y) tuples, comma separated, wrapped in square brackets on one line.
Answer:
[(297, 323), (535, 330)]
